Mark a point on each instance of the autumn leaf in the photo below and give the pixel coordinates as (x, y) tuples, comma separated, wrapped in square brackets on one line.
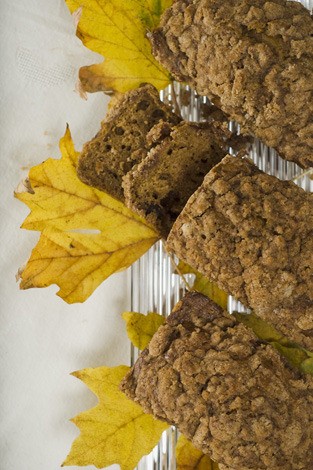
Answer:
[(204, 286), (117, 30), (190, 458), (140, 328), (296, 355), (116, 430), (86, 234)]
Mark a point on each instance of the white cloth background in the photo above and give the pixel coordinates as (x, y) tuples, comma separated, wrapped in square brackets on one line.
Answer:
[(42, 338)]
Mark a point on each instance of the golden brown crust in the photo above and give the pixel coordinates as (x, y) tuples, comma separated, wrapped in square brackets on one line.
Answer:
[(253, 58), (252, 234), (232, 395)]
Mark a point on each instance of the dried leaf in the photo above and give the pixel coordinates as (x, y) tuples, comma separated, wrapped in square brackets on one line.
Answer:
[(117, 30), (296, 355), (86, 234), (24, 187), (190, 458), (116, 430), (204, 286), (140, 328)]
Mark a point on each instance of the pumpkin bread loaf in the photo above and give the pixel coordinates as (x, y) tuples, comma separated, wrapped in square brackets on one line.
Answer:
[(253, 58), (252, 234), (233, 396)]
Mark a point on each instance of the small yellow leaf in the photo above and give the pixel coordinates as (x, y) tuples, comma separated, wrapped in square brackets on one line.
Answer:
[(117, 30), (116, 430), (140, 328), (297, 356), (190, 458), (86, 234), (204, 286)]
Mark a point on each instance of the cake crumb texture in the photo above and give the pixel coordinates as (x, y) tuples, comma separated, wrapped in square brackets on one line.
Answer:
[(161, 184), (121, 142)]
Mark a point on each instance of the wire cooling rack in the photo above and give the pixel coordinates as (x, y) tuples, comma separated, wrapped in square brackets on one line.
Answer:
[(155, 287)]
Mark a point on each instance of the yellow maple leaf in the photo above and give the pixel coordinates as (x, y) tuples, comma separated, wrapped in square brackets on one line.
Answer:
[(140, 328), (117, 30), (68, 212), (116, 430), (205, 286), (299, 357), (190, 458)]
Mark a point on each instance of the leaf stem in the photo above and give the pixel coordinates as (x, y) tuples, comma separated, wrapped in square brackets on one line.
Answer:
[(301, 175)]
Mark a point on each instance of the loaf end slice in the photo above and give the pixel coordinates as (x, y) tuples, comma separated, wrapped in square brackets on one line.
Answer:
[(121, 142)]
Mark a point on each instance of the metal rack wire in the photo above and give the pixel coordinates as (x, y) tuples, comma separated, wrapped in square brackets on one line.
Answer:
[(155, 286)]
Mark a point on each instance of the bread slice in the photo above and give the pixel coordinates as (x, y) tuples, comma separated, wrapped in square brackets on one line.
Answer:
[(121, 142), (251, 233), (159, 187), (234, 397)]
